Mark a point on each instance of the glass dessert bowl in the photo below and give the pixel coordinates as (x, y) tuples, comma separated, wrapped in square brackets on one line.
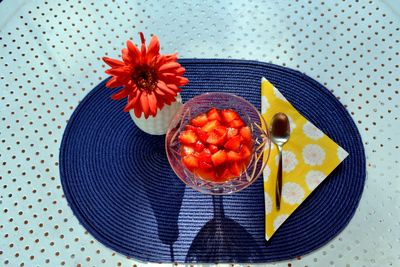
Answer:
[(217, 143)]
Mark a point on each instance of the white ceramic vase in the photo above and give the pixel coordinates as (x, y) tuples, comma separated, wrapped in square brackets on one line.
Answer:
[(158, 125)]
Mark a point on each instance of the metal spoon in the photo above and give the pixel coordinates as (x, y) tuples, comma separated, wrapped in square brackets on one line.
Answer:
[(280, 132)]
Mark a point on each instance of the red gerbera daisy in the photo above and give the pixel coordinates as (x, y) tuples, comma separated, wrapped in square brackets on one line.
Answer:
[(149, 80)]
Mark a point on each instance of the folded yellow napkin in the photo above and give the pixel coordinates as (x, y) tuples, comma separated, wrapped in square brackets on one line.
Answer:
[(308, 158)]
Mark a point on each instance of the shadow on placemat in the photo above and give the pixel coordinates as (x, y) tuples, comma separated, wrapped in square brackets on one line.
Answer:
[(220, 239)]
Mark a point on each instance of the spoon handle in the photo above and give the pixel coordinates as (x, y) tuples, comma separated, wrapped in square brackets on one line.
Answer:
[(278, 189)]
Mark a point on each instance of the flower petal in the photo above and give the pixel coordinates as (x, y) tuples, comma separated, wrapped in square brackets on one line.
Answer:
[(138, 109), (152, 103), (132, 101), (165, 88), (143, 48), (113, 62), (169, 66), (126, 57), (121, 94), (117, 71), (144, 101), (154, 49), (133, 52)]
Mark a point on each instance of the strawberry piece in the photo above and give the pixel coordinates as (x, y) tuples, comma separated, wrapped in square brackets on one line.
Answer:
[(233, 156), (229, 115), (187, 150), (223, 174), (200, 120), (191, 127), (232, 132), (213, 148), (245, 153), (219, 157), (216, 139), (245, 132), (205, 156), (202, 135), (235, 169), (205, 165), (207, 174), (209, 126), (213, 114), (221, 131), (236, 123), (234, 143), (199, 146), (190, 161), (188, 137)]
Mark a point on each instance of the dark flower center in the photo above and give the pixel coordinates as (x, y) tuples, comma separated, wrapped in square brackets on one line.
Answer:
[(145, 78)]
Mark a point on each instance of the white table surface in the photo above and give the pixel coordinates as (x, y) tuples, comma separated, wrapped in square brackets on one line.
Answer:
[(50, 59)]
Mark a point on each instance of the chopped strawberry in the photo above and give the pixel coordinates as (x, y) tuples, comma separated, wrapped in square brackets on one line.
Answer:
[(229, 115), (205, 165), (219, 157), (202, 135), (205, 156), (233, 156), (213, 114), (187, 150), (216, 139), (235, 169), (223, 174), (209, 126), (236, 123), (232, 132), (245, 152), (234, 143), (221, 131), (191, 127), (198, 146), (207, 174), (190, 161), (245, 132), (200, 120), (188, 137), (213, 148)]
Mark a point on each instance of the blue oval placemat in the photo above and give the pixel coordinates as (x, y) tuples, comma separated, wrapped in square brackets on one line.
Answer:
[(120, 186)]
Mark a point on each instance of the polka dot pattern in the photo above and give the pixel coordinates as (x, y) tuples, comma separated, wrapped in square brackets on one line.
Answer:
[(50, 60)]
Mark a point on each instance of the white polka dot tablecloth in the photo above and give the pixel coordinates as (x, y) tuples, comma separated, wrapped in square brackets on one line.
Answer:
[(50, 59)]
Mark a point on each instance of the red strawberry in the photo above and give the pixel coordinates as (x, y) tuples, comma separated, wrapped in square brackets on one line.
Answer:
[(190, 161), (245, 152), (188, 137), (233, 156), (216, 139), (213, 148), (245, 132), (234, 143), (205, 165), (235, 169), (229, 115), (219, 157), (221, 131), (200, 120), (209, 126), (187, 150), (202, 135), (223, 174), (232, 132), (236, 123), (191, 127), (205, 156), (199, 146), (213, 114)]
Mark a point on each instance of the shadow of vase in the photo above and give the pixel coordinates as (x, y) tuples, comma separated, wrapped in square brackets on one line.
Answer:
[(164, 192), (222, 239)]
